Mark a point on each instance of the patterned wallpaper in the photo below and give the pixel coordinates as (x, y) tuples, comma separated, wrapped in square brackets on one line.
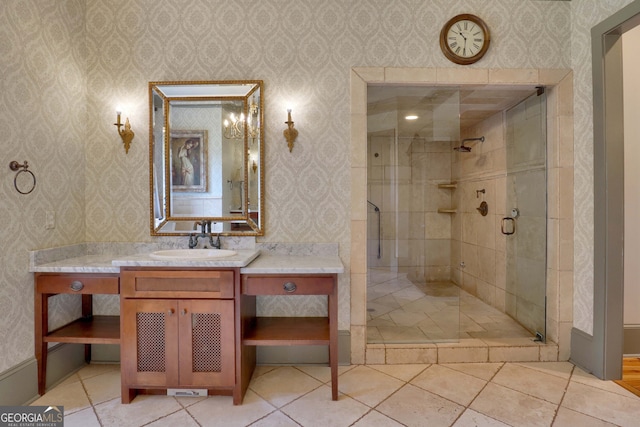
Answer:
[(43, 121), (67, 64), (585, 15)]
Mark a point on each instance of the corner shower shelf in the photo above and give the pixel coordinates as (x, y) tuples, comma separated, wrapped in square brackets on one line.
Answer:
[(449, 211), (450, 186)]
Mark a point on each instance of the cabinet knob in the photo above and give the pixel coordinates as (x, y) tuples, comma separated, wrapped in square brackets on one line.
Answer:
[(183, 311), (170, 311), (76, 285), (290, 287)]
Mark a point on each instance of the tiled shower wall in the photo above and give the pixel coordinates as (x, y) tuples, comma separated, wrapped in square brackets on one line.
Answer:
[(403, 177), (478, 249), (507, 170)]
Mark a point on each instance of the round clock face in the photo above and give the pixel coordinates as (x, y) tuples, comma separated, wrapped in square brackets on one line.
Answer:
[(464, 39)]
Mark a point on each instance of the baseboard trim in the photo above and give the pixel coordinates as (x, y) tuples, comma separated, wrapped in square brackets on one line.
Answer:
[(631, 340), (19, 385), (582, 350), (305, 355), (105, 353)]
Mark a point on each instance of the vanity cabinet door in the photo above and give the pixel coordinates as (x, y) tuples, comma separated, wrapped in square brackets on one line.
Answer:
[(177, 343), (207, 345), (149, 342)]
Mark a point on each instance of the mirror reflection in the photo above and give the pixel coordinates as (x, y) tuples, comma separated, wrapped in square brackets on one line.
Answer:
[(206, 157)]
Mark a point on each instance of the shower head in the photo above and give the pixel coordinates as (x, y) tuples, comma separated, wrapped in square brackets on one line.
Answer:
[(463, 148)]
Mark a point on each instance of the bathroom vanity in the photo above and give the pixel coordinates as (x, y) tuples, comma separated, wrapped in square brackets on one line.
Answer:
[(189, 326)]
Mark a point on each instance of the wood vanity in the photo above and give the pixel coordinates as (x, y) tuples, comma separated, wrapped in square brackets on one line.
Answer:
[(88, 329), (177, 329), (192, 327)]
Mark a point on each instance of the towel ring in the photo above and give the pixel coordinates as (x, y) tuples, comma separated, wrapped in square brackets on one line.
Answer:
[(22, 168)]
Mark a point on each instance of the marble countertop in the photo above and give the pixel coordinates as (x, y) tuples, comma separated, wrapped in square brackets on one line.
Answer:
[(291, 264), (112, 263), (250, 262), (241, 259), (80, 264)]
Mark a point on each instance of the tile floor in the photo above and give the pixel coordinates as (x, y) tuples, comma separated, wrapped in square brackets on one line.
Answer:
[(401, 311), (465, 394)]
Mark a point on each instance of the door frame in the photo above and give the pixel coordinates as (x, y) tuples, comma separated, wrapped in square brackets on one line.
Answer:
[(559, 218), (601, 353)]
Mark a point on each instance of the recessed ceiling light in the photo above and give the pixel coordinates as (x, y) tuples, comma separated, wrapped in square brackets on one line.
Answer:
[(411, 117)]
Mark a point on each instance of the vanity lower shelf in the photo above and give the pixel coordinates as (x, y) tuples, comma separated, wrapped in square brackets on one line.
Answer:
[(288, 331), (88, 330)]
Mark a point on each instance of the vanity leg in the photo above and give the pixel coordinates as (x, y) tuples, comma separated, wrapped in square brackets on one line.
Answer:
[(127, 394), (87, 311), (41, 311), (333, 340)]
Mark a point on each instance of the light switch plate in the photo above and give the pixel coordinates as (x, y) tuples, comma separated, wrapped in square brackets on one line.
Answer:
[(50, 220)]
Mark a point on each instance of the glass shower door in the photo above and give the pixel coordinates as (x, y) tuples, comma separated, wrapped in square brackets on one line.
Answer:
[(410, 297), (525, 226)]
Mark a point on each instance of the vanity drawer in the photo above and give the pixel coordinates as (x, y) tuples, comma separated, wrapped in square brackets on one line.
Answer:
[(77, 284), (177, 284), (287, 285)]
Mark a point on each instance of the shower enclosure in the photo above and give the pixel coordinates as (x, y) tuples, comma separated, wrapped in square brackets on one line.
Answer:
[(457, 213)]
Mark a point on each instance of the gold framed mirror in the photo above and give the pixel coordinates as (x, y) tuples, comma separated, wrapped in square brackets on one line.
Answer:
[(206, 157)]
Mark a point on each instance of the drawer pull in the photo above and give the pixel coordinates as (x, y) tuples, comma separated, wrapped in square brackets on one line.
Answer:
[(290, 287), (76, 285)]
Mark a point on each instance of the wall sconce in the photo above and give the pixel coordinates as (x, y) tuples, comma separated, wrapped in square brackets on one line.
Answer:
[(290, 133), (126, 134)]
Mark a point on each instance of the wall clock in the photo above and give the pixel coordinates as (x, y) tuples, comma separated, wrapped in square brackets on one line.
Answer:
[(464, 39)]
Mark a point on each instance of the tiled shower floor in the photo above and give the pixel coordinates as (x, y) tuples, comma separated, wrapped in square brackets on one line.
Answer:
[(400, 311)]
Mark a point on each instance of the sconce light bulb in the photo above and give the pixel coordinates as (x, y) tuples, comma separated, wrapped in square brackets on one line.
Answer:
[(226, 123)]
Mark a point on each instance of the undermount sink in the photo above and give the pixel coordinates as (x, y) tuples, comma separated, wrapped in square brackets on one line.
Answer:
[(192, 254)]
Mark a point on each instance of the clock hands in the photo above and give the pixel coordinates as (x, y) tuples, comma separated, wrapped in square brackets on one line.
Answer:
[(464, 49), (460, 34)]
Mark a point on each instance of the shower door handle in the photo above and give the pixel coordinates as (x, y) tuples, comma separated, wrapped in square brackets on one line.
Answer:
[(508, 226)]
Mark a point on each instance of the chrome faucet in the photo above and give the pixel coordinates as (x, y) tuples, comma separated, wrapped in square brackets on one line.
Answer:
[(215, 244), (204, 232)]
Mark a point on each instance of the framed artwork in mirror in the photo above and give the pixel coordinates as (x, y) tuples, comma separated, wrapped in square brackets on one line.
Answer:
[(188, 150)]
